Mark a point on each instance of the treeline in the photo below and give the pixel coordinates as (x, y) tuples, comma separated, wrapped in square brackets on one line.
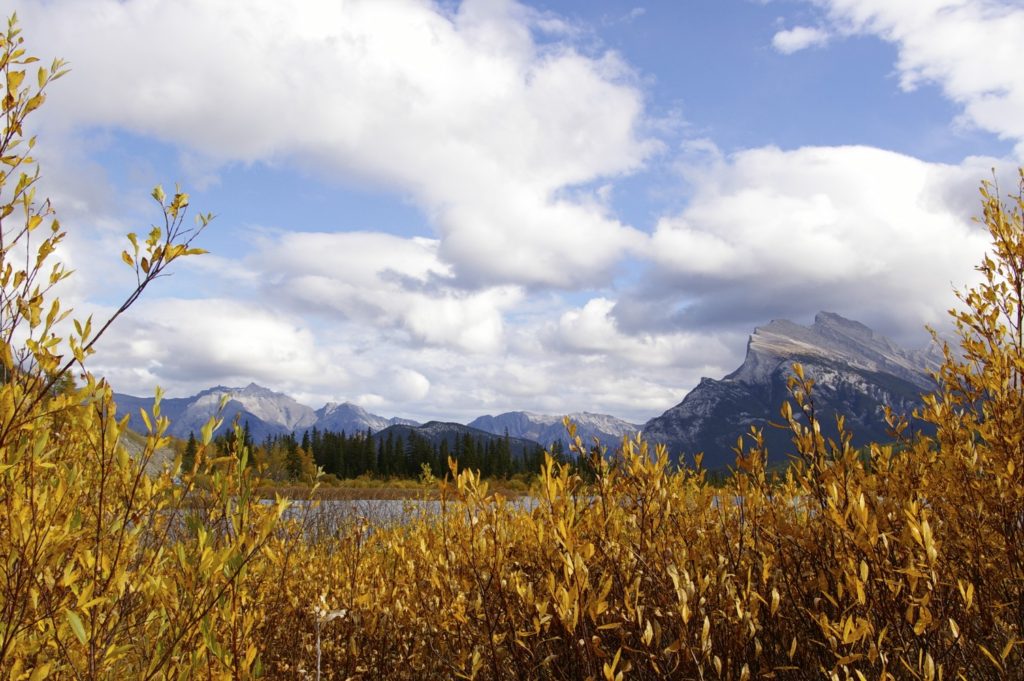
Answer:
[(384, 455)]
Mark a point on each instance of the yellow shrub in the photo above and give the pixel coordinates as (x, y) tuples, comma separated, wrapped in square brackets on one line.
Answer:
[(106, 572), (901, 563), (904, 562)]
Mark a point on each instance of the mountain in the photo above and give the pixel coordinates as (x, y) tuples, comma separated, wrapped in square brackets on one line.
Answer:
[(352, 418), (436, 432), (266, 412), (856, 373), (547, 429)]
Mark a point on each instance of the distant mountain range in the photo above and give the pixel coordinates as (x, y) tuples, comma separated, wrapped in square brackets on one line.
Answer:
[(266, 412), (547, 429), (438, 432), (856, 371), (270, 413)]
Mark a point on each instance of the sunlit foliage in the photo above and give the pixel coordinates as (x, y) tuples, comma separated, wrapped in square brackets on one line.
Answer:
[(106, 572), (899, 562)]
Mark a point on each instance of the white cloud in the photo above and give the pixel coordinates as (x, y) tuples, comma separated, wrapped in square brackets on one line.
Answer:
[(501, 140), (874, 235), (593, 330), (799, 38), (969, 48), (180, 343), (387, 281), (463, 111), (187, 345)]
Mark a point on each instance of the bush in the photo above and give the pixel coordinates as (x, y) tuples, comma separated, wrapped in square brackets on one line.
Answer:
[(105, 571), (901, 562)]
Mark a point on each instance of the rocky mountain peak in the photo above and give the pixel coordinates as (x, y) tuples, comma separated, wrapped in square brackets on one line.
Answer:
[(831, 338), (856, 372), (332, 407), (830, 321), (548, 428)]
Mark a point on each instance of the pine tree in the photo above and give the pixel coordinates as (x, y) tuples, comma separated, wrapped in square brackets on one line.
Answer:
[(188, 459)]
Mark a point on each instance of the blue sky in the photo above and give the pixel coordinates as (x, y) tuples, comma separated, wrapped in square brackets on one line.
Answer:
[(449, 209)]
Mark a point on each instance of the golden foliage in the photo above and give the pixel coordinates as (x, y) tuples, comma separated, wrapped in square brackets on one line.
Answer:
[(902, 562), (106, 572)]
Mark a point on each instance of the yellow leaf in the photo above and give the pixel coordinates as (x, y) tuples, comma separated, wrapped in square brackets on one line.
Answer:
[(145, 420), (76, 625), (35, 102), (14, 79), (40, 672), (990, 656)]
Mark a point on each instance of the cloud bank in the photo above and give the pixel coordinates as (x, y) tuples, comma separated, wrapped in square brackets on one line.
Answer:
[(464, 110), (507, 134)]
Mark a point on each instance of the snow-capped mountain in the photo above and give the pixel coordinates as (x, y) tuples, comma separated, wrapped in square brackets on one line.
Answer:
[(547, 429), (856, 373)]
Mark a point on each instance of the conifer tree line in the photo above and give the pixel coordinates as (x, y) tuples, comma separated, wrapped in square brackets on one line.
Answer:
[(384, 455)]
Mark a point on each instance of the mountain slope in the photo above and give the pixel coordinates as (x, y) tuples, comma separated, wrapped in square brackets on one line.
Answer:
[(547, 429), (266, 412), (856, 372), (352, 418), (436, 432)]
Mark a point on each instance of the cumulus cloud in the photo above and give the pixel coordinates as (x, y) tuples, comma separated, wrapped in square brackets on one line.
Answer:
[(593, 330), (178, 343), (186, 345), (799, 38), (501, 137), (871, 234), (462, 110), (387, 281), (969, 48)]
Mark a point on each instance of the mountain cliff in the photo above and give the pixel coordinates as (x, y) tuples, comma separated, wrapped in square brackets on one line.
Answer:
[(547, 429), (856, 373)]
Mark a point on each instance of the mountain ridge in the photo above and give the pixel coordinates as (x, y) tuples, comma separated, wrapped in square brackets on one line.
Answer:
[(856, 372), (547, 429), (271, 413)]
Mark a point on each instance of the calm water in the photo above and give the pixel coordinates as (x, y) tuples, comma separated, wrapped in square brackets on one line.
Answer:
[(331, 517)]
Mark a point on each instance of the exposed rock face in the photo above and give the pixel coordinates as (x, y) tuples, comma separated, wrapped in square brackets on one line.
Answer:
[(352, 418), (547, 429), (856, 373), (266, 412)]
